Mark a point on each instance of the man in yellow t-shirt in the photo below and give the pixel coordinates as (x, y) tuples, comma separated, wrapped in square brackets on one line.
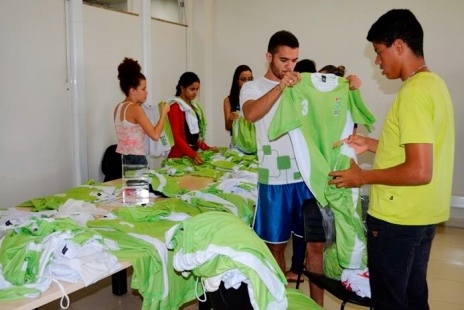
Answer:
[(413, 166)]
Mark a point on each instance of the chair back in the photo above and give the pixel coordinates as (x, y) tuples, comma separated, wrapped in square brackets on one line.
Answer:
[(230, 298), (111, 164)]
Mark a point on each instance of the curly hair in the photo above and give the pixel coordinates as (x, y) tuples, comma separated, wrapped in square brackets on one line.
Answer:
[(129, 75), (340, 70)]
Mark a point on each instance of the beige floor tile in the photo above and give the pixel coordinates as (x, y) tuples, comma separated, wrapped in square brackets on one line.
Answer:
[(130, 305), (333, 303), (441, 305), (444, 239), (446, 271), (447, 254), (450, 230), (446, 291)]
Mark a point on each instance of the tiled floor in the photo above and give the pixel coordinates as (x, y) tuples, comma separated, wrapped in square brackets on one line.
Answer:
[(446, 282)]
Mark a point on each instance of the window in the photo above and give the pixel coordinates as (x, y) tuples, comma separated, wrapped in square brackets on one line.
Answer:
[(169, 10)]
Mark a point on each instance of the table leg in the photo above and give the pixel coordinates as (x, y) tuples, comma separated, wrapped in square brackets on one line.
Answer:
[(119, 282)]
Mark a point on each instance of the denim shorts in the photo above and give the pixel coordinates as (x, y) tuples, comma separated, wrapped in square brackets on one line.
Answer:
[(134, 159)]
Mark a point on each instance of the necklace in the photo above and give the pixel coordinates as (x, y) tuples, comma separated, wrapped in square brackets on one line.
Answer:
[(417, 70)]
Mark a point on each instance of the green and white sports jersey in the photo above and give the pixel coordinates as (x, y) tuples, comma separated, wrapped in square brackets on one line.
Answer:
[(219, 246), (45, 249), (224, 202), (89, 192), (316, 113), (276, 160), (298, 300), (141, 243), (244, 136)]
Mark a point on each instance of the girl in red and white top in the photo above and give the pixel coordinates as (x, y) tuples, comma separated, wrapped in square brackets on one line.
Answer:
[(187, 120)]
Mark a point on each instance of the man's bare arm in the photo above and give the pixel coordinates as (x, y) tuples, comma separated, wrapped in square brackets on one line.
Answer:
[(254, 110)]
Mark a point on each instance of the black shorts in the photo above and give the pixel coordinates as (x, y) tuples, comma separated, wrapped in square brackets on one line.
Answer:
[(312, 217)]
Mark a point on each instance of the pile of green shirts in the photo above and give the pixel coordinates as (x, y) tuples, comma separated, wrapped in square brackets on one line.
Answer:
[(89, 192), (41, 250), (218, 246), (138, 236)]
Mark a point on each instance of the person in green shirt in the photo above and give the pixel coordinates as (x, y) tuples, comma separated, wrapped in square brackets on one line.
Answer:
[(413, 166)]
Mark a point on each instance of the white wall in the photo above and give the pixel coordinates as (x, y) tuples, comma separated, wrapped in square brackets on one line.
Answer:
[(332, 32), (36, 129), (118, 36), (36, 153)]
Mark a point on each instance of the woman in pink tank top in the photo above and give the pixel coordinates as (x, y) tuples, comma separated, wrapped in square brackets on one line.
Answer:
[(130, 121)]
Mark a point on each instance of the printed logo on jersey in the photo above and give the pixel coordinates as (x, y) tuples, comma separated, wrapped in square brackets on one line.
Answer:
[(337, 106)]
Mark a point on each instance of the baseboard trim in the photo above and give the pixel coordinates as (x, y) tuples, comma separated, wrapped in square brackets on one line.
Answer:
[(456, 212)]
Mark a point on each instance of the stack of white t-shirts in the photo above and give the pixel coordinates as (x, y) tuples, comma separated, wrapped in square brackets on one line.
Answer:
[(12, 218), (80, 211), (73, 262)]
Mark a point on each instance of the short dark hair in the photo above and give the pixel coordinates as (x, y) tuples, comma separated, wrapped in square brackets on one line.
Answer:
[(282, 38), (305, 65), (398, 24)]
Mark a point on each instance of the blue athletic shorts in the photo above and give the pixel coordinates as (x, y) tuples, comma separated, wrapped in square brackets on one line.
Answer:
[(279, 211)]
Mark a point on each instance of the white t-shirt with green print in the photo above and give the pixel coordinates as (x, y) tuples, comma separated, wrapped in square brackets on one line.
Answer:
[(276, 159)]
